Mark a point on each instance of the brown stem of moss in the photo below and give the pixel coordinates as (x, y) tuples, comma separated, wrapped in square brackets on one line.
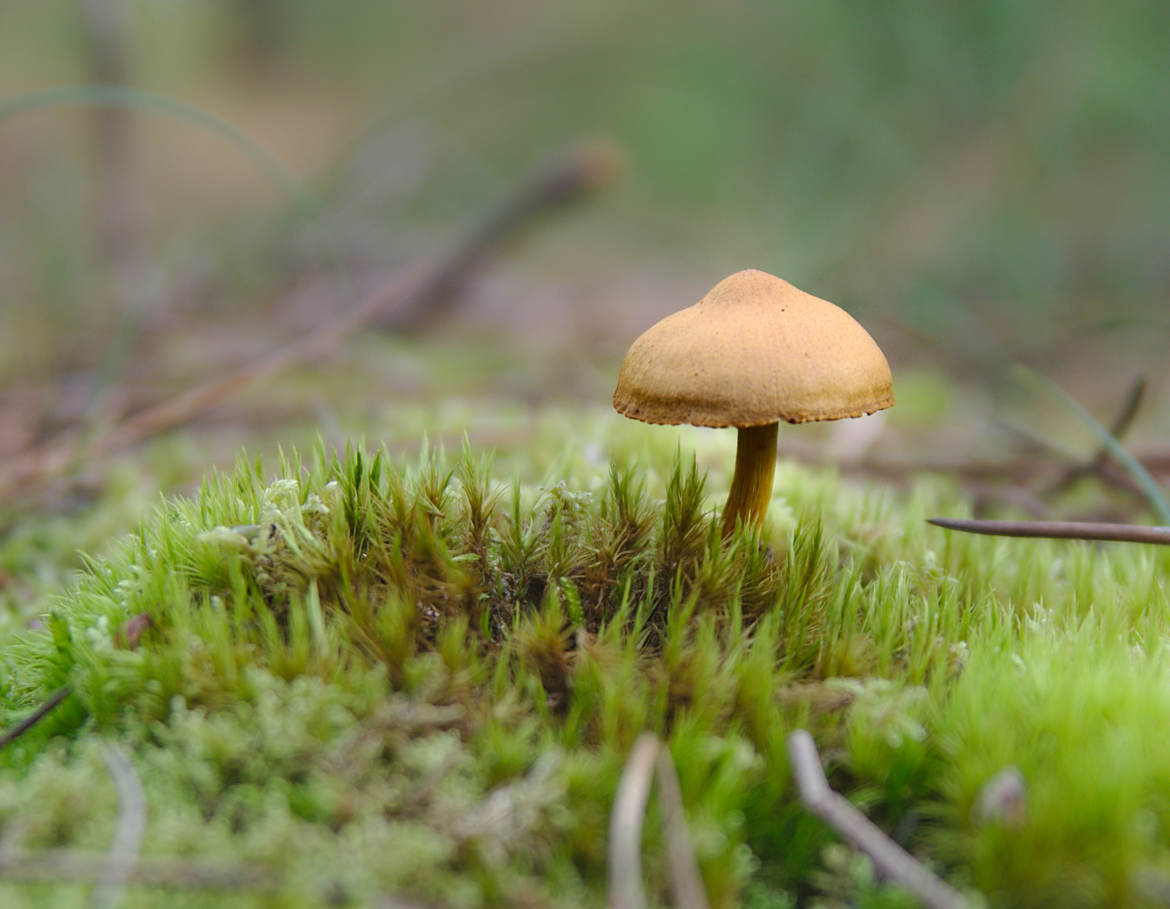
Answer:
[(751, 486)]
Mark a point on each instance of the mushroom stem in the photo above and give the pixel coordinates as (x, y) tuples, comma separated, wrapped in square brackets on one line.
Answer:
[(751, 485)]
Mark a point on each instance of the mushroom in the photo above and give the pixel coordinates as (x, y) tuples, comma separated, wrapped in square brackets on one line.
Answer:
[(754, 351)]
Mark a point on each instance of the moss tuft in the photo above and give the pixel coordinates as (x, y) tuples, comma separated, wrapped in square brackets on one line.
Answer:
[(370, 676)]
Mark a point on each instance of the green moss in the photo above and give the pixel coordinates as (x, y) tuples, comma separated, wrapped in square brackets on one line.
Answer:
[(371, 676)]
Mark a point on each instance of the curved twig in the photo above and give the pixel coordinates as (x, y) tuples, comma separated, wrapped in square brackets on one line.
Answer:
[(890, 859)]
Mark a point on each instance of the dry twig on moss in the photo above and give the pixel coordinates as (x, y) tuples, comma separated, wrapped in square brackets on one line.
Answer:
[(626, 890), (891, 860)]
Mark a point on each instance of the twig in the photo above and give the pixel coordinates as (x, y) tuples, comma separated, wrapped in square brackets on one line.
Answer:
[(1155, 495), (130, 830), (890, 859), (1104, 468), (587, 169), (35, 717), (649, 758), (686, 884), (625, 826), (1060, 530), (1102, 465), (57, 865), (1118, 428)]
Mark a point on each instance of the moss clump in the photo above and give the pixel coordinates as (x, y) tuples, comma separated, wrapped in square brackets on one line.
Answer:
[(392, 652), (368, 678)]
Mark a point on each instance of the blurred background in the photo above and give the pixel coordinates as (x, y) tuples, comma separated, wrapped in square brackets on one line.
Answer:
[(981, 185)]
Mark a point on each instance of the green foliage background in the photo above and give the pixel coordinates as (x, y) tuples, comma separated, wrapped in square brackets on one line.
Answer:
[(981, 174)]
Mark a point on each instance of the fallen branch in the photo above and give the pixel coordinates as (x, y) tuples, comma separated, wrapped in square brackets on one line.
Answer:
[(891, 860), (1103, 464), (575, 175)]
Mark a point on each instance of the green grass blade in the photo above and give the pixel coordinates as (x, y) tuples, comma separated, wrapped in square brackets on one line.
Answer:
[(138, 100)]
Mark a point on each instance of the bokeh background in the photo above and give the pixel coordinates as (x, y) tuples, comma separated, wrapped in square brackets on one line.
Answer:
[(980, 184)]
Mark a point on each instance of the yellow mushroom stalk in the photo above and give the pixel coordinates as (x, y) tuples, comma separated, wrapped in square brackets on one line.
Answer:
[(751, 484), (754, 351)]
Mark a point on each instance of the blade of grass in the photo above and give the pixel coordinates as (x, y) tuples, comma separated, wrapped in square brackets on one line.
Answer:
[(139, 100), (1153, 492)]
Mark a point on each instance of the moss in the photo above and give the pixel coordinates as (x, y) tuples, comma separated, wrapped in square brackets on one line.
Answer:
[(369, 676)]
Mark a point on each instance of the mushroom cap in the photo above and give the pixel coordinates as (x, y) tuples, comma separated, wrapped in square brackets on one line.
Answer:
[(755, 350)]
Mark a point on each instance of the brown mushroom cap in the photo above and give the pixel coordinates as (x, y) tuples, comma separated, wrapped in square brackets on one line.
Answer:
[(755, 350)]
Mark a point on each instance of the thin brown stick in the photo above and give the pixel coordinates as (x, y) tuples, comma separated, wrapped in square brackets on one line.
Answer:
[(35, 717), (625, 826), (586, 169), (890, 859), (1059, 530)]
